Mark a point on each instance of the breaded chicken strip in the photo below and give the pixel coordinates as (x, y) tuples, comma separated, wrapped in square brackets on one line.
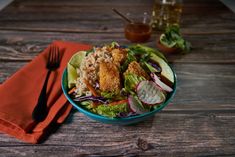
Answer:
[(118, 56), (135, 68), (109, 77)]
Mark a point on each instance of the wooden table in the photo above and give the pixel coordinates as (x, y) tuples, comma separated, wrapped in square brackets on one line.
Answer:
[(198, 122)]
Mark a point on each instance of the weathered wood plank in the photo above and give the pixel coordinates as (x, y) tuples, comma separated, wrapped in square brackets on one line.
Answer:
[(83, 17), (23, 46), (117, 26), (7, 66), (167, 134), (73, 5)]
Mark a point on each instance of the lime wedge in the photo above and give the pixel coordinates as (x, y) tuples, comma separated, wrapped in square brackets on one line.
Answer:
[(73, 64), (72, 75), (77, 58)]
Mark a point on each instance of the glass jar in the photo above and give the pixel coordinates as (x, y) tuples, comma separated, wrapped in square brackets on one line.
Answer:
[(165, 13), (139, 30)]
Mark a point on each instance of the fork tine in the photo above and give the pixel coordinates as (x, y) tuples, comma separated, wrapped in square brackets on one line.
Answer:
[(58, 57), (49, 56), (53, 59)]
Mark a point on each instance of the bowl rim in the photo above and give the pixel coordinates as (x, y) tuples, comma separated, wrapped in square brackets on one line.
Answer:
[(167, 50), (96, 116)]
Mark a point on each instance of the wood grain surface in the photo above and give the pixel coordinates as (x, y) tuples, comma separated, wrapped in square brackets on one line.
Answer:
[(198, 122)]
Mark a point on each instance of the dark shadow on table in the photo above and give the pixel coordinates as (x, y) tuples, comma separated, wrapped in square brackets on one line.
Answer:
[(54, 126)]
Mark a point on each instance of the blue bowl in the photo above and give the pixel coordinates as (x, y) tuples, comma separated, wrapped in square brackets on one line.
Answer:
[(119, 121)]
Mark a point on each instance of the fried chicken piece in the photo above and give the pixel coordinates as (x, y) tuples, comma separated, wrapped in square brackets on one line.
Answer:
[(118, 56), (135, 68), (109, 77)]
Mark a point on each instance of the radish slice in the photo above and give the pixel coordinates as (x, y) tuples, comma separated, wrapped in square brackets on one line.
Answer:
[(135, 105), (160, 83), (149, 93)]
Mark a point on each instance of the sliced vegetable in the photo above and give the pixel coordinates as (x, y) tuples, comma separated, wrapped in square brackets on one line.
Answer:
[(152, 69), (74, 63), (118, 102), (155, 65), (131, 80), (135, 105), (149, 93), (89, 86), (95, 104), (71, 90), (72, 76), (160, 83), (92, 98), (167, 73)]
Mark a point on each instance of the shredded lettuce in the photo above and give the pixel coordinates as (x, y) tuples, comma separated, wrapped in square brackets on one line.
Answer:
[(114, 44), (131, 81), (88, 106), (108, 95), (112, 111), (146, 50), (129, 59)]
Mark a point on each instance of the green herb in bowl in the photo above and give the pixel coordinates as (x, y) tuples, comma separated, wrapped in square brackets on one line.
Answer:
[(172, 41)]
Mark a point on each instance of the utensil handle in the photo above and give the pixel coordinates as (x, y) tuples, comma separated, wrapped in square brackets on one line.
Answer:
[(40, 110)]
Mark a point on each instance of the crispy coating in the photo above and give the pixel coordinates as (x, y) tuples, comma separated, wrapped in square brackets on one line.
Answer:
[(118, 56), (135, 68), (109, 77)]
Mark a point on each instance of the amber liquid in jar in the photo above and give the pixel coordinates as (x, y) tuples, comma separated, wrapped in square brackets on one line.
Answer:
[(138, 32), (165, 13)]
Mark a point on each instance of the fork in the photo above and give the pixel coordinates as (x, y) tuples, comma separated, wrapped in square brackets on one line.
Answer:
[(53, 62)]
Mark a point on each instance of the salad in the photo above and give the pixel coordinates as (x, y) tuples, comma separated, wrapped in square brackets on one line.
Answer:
[(117, 81)]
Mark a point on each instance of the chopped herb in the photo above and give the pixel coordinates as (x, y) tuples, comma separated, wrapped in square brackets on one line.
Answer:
[(172, 38)]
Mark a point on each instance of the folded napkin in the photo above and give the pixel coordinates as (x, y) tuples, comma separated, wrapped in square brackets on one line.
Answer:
[(19, 95)]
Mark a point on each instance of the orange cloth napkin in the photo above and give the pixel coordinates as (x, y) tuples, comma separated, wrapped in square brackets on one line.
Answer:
[(19, 95)]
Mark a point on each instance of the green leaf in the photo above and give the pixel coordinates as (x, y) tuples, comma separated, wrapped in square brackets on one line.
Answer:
[(112, 95), (165, 41), (172, 38), (130, 58), (112, 111), (108, 95), (113, 44), (147, 50), (130, 81)]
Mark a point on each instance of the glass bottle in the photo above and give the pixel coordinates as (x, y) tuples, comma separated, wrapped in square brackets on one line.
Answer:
[(165, 13)]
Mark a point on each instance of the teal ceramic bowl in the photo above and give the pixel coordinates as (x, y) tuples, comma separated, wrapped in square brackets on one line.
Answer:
[(119, 121)]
